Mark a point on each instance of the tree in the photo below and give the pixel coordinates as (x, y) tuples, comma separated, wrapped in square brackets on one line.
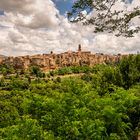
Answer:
[(130, 70), (105, 17), (26, 129), (35, 70)]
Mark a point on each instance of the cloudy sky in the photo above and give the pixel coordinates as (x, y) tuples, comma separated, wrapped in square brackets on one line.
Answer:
[(40, 26)]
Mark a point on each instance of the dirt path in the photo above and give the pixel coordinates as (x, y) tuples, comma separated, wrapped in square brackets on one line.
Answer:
[(68, 75)]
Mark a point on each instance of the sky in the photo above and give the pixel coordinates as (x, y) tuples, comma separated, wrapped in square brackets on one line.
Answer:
[(30, 27), (63, 5)]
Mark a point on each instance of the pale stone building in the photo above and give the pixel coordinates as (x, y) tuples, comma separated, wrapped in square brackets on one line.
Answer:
[(54, 61)]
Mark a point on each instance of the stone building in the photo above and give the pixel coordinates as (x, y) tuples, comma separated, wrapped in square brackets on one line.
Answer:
[(54, 61)]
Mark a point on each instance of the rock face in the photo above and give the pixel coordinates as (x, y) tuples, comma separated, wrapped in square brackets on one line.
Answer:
[(2, 57), (54, 61)]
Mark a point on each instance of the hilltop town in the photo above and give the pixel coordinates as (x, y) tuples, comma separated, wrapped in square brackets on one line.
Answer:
[(54, 61)]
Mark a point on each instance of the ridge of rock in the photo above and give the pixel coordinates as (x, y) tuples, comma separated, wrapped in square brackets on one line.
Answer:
[(54, 61)]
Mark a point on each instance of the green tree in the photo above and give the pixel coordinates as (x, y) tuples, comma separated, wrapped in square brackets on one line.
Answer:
[(35, 70), (26, 129), (129, 68), (105, 18)]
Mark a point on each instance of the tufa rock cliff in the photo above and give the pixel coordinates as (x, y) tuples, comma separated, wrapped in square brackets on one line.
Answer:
[(54, 61)]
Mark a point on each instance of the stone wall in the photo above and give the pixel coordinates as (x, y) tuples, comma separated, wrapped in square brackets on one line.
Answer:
[(54, 61)]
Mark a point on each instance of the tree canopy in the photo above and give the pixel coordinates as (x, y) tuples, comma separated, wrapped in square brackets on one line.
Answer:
[(100, 103), (107, 15)]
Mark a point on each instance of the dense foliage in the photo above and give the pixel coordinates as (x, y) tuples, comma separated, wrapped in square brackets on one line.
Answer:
[(99, 103)]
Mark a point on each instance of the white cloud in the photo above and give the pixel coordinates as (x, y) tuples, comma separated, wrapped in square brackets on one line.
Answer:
[(31, 13), (35, 26)]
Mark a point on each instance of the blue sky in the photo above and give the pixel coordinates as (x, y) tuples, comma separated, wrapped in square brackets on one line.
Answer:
[(63, 5)]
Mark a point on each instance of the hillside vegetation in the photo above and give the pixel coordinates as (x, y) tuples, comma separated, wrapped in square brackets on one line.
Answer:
[(98, 103)]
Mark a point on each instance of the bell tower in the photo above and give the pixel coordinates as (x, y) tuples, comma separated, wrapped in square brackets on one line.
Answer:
[(51, 52), (79, 48)]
